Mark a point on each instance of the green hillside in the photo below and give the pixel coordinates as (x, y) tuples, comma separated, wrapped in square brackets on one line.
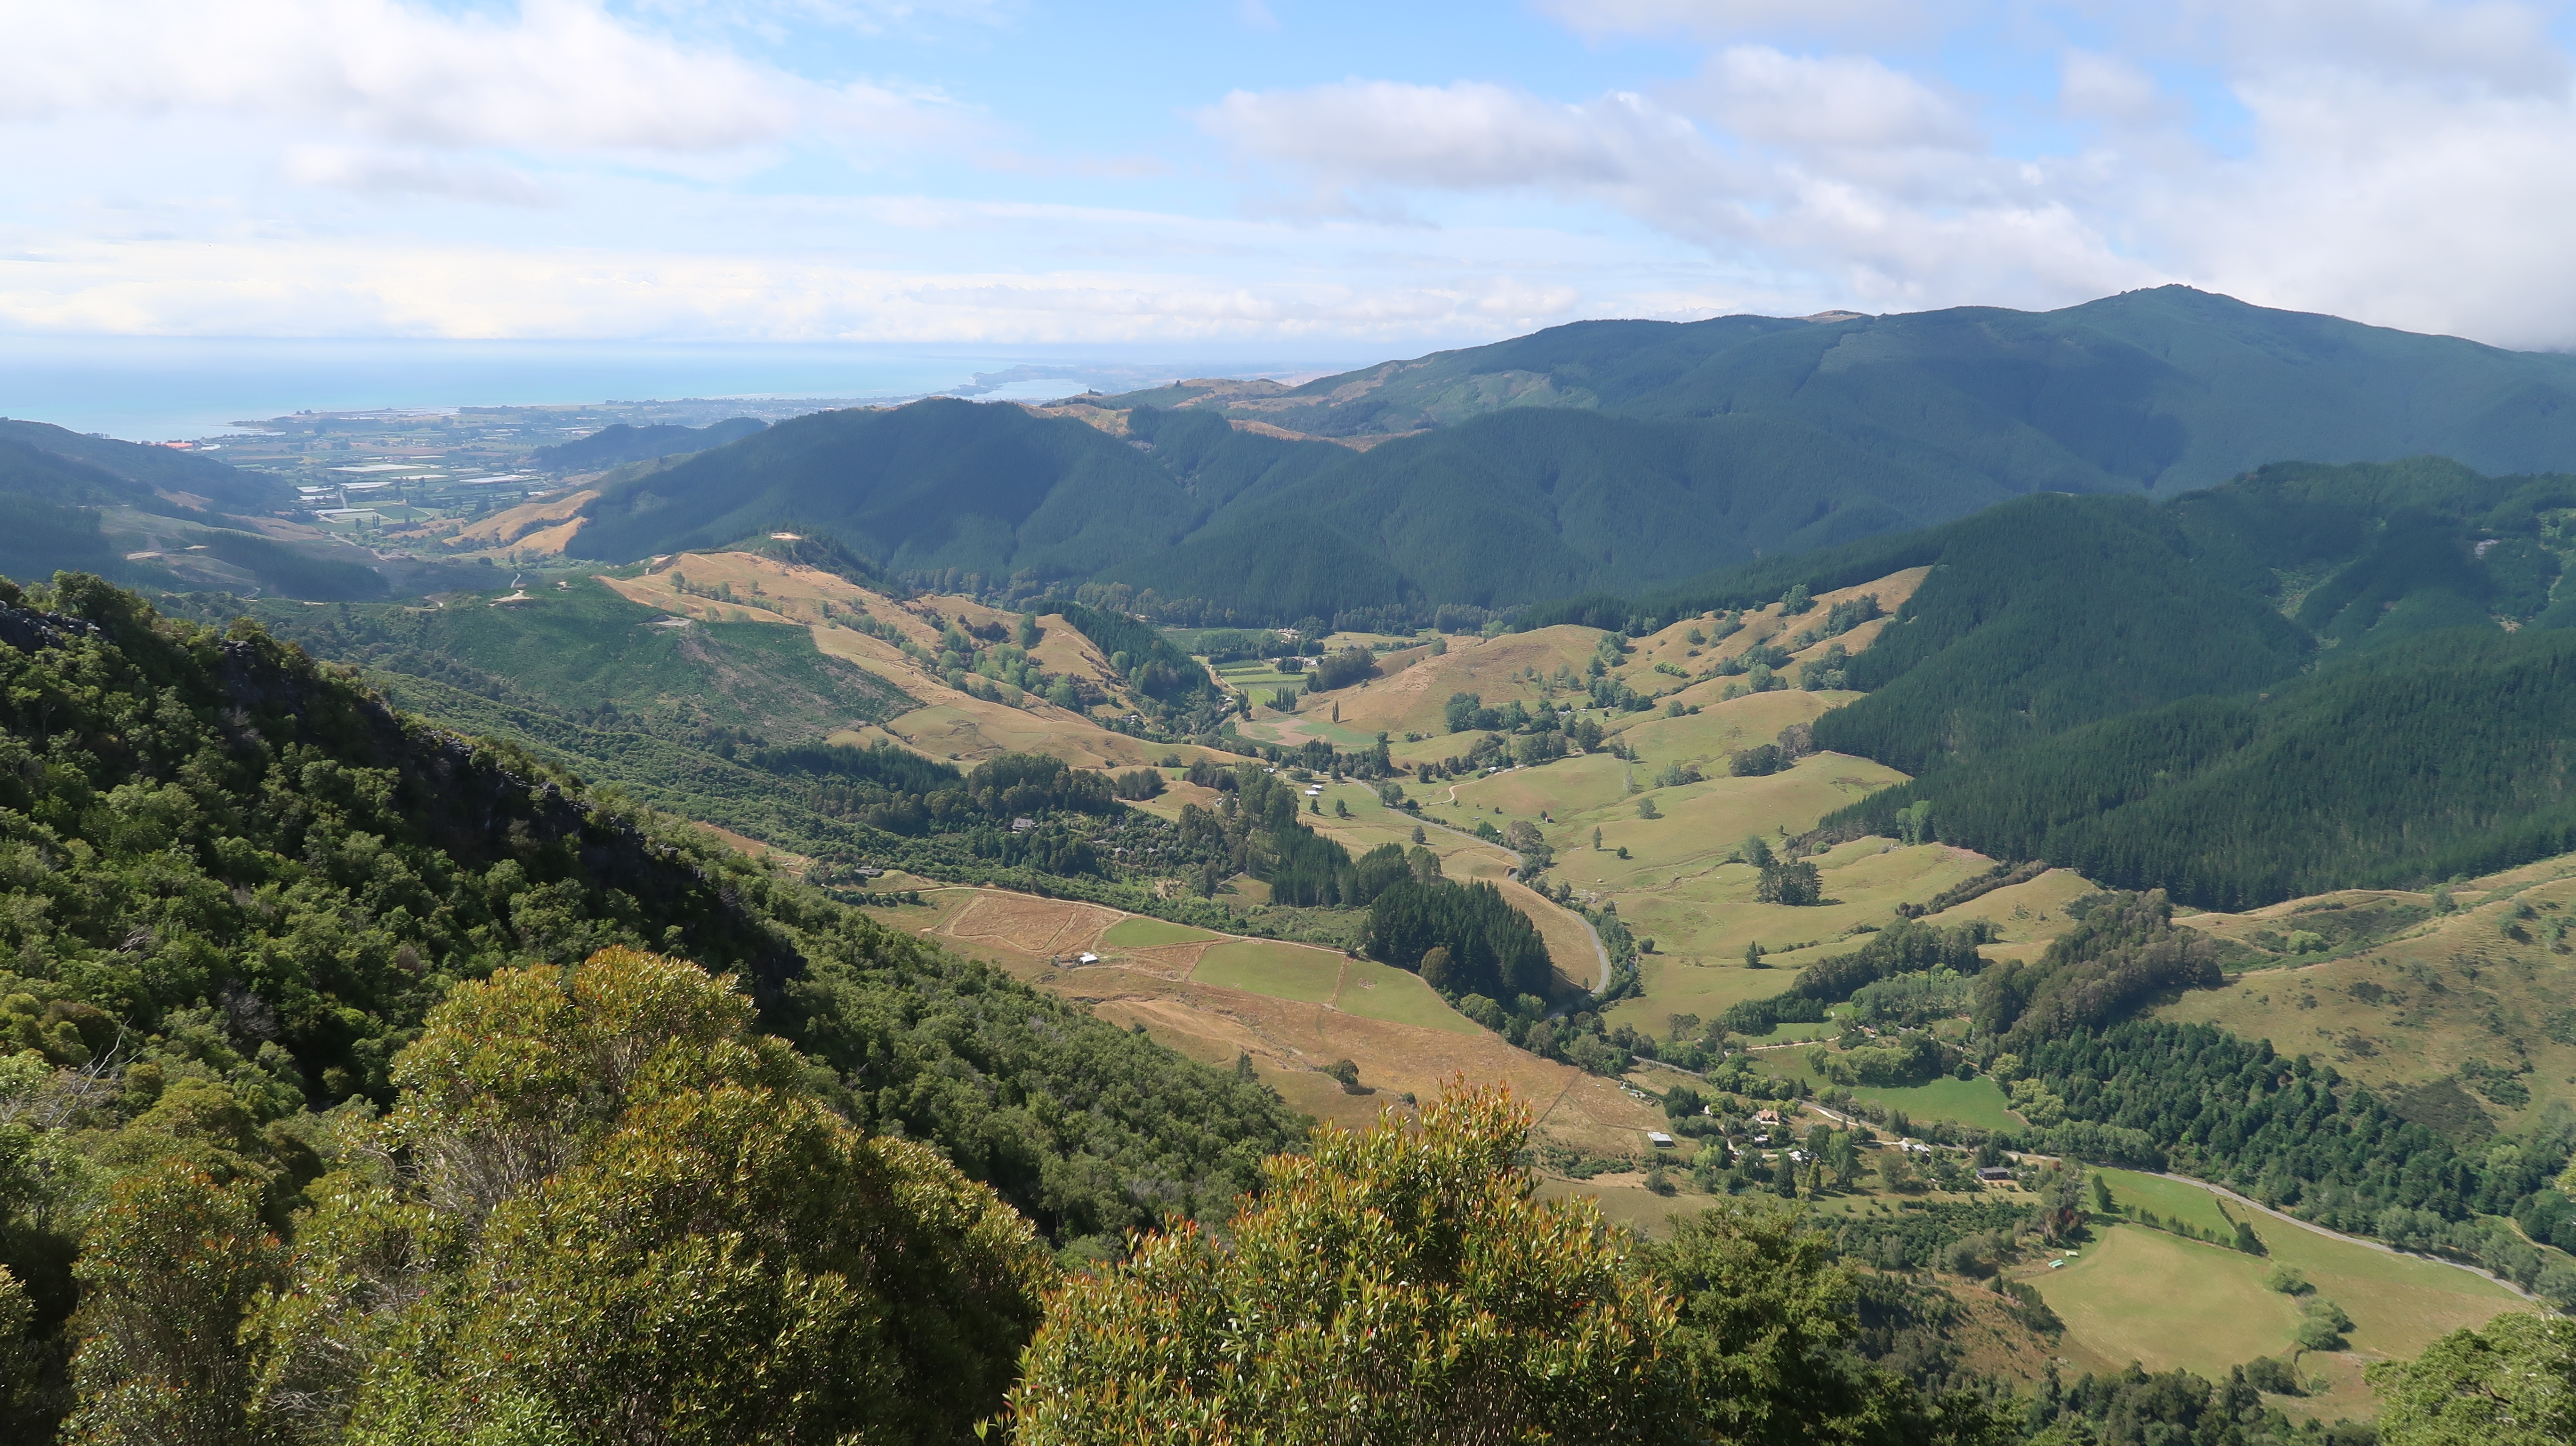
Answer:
[(241, 886), (1527, 505), (2162, 390), (159, 517), (586, 653), (2440, 756), (939, 485)]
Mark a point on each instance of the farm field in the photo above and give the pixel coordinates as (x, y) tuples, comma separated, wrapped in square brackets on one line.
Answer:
[(1626, 1202), (1140, 932), (2204, 1306), (2164, 1302), (1263, 966)]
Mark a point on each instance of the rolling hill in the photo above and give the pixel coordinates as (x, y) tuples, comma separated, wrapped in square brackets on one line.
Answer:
[(161, 517), (942, 484), (618, 442)]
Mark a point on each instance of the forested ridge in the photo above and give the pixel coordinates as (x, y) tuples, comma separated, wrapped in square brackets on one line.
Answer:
[(2437, 757), (2159, 390)]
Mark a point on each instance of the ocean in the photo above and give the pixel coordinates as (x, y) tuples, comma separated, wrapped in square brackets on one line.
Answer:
[(151, 389)]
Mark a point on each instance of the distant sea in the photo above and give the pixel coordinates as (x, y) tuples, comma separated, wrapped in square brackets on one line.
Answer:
[(166, 389)]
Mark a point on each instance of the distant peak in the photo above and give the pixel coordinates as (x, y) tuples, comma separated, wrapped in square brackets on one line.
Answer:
[(1822, 318)]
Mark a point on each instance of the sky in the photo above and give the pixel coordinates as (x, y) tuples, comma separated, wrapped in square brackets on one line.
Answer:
[(1289, 178)]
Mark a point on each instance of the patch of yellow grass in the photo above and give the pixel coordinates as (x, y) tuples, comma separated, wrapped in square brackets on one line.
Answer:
[(520, 525)]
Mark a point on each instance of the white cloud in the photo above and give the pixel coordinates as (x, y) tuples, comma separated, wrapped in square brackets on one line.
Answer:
[(559, 75), (1856, 193), (1771, 98), (350, 168), (2401, 204), (2491, 43), (1467, 136), (331, 288)]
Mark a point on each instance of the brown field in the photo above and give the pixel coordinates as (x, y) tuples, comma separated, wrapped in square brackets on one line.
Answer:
[(1290, 1041), (1672, 645), (521, 525), (949, 724), (1063, 649), (1412, 700)]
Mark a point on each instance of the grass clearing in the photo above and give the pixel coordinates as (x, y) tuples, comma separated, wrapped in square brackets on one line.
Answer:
[(2166, 1303), (1382, 991), (1282, 971), (1140, 932), (2399, 1303), (1702, 916), (1628, 1204)]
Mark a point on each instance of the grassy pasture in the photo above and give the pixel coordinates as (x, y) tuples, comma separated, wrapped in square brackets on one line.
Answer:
[(1706, 738), (1765, 624), (1566, 786), (1627, 1203), (1381, 991), (1140, 932), (2166, 1303), (1263, 966), (2025, 913), (1494, 669), (2140, 1291), (1703, 823)]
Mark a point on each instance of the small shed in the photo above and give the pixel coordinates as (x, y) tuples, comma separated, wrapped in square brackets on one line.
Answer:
[(1023, 825), (1659, 1139), (1994, 1172), (1086, 958)]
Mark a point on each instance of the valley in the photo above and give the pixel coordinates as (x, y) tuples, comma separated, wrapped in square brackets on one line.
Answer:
[(2119, 912)]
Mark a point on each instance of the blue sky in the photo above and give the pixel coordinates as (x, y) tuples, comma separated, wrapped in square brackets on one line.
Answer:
[(1276, 177)]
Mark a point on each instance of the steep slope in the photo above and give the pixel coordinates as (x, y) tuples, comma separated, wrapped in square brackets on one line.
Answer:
[(70, 502), (143, 475), (2438, 756), (1524, 505)]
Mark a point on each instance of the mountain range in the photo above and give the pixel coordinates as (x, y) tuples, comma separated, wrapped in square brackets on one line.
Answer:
[(1613, 456), (1603, 455)]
